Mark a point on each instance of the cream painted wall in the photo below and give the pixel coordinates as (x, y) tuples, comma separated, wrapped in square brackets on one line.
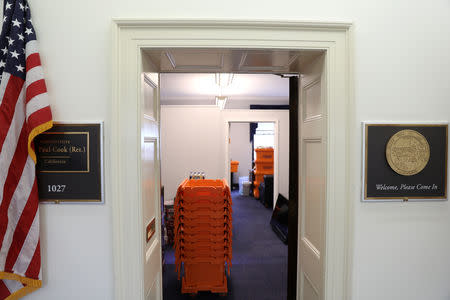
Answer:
[(241, 148), (193, 139), (401, 72)]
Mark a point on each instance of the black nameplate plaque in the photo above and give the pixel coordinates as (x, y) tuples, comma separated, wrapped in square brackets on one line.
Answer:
[(405, 162), (68, 166)]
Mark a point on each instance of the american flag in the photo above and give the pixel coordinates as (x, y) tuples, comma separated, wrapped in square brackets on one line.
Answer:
[(24, 113)]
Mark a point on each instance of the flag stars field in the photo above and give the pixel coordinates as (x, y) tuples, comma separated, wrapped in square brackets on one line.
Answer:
[(16, 23), (15, 54), (24, 113)]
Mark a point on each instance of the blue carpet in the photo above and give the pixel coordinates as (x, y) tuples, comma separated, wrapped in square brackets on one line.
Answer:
[(259, 270)]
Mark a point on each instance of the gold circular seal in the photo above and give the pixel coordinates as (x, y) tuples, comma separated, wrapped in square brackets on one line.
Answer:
[(407, 152)]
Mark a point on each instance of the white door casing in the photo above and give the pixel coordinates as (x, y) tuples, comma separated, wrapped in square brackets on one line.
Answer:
[(125, 188), (312, 181)]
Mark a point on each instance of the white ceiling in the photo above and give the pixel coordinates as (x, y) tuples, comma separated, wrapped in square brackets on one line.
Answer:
[(188, 75), (245, 89)]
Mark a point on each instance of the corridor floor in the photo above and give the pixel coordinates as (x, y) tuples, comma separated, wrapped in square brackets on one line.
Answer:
[(259, 264)]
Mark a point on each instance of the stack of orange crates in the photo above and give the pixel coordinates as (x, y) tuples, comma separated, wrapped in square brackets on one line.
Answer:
[(234, 166), (263, 166), (203, 235)]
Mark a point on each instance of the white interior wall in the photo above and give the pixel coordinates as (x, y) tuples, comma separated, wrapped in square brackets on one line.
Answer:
[(190, 141), (200, 131), (401, 69), (241, 148)]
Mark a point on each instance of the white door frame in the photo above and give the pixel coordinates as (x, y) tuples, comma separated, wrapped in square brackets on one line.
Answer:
[(131, 36), (244, 116)]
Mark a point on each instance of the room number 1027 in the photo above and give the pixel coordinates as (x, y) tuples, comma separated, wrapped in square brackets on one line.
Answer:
[(56, 188)]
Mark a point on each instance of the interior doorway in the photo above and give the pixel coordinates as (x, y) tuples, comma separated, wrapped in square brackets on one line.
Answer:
[(192, 137), (268, 136), (308, 245), (334, 44), (259, 257), (245, 141), (305, 245)]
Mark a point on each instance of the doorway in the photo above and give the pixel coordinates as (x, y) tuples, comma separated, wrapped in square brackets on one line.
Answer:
[(244, 141), (192, 137), (258, 139), (259, 257), (184, 118), (125, 176)]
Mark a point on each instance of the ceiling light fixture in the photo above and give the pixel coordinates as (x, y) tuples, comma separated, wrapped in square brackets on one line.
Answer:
[(224, 79), (221, 101)]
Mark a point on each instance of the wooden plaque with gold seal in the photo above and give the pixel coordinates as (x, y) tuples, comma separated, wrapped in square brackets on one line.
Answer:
[(407, 152), (405, 161)]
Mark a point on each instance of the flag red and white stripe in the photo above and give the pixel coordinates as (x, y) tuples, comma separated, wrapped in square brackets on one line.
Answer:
[(24, 113)]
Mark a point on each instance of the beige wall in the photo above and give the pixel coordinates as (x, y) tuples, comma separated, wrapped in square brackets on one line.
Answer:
[(241, 148), (193, 139), (401, 72)]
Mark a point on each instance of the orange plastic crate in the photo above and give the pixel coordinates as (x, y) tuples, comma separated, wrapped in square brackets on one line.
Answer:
[(201, 250), (203, 234), (185, 231), (204, 222), (208, 238), (192, 251), (195, 236), (234, 166), (203, 229), (204, 277), (199, 274), (204, 245), (263, 167), (212, 258), (256, 193), (264, 154)]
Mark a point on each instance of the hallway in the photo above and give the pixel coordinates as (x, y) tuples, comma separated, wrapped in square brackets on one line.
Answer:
[(259, 270)]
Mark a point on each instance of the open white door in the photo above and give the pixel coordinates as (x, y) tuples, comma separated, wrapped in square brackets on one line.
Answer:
[(312, 181), (151, 181)]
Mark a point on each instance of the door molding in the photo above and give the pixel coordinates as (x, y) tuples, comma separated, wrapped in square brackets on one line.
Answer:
[(131, 36)]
